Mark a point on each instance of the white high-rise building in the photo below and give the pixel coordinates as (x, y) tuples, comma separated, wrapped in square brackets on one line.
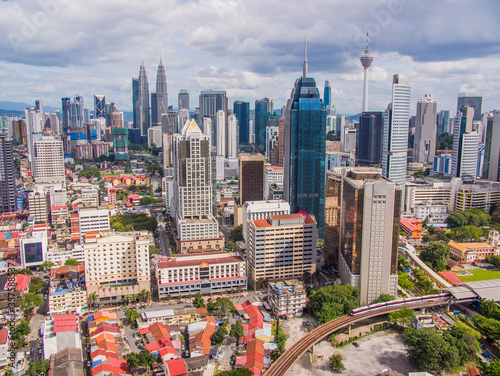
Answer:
[(232, 137), (396, 128), (49, 160), (425, 130), (464, 162), (262, 210), (197, 229), (348, 140), (33, 119), (221, 133), (93, 220)]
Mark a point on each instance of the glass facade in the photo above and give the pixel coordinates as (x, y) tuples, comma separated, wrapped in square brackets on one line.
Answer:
[(304, 154), (242, 112)]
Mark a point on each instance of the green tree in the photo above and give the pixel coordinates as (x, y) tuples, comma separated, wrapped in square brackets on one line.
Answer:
[(36, 285), (47, 265), (39, 367), (146, 359), (403, 317), (236, 372), (333, 301), (436, 254), (230, 245), (219, 336), (336, 362), (488, 327), (464, 340), (492, 369), (154, 250), (444, 141), (198, 301), (132, 315), (237, 330), (430, 351), (493, 260), (133, 361), (403, 263), (405, 282), (92, 300), (385, 298), (90, 172), (137, 222), (221, 307), (8, 371), (29, 301), (71, 262), (489, 309), (237, 233)]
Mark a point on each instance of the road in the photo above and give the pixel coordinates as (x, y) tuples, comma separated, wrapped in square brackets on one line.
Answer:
[(285, 361), (164, 242)]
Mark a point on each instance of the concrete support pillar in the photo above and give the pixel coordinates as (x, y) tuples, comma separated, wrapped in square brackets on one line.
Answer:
[(349, 329)]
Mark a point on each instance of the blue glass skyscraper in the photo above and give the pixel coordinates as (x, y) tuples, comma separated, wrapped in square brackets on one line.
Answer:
[(263, 108), (327, 96), (242, 112), (304, 150)]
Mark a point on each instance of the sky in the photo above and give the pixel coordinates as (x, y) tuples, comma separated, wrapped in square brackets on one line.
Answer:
[(251, 48)]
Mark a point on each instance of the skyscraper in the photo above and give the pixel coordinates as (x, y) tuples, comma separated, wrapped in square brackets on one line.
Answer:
[(232, 137), (263, 108), (183, 97), (366, 61), (156, 109), (212, 101), (252, 177), (464, 160), (49, 161), (443, 121), (221, 133), (492, 148), (77, 118), (242, 111), (7, 176), (161, 83), (425, 130), (367, 235), (99, 106), (33, 133), (142, 120), (472, 100), (197, 229), (65, 102), (396, 127), (327, 96), (371, 132), (304, 149)]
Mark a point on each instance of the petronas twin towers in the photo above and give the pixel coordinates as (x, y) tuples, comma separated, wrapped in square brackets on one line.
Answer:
[(140, 97)]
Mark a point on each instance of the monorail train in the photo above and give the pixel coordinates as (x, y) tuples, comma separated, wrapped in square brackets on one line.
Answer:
[(401, 302)]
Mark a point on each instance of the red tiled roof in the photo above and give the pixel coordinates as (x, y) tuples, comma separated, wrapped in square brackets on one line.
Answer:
[(286, 216), (4, 335), (261, 223), (22, 282), (452, 278), (176, 367), (65, 323), (175, 262)]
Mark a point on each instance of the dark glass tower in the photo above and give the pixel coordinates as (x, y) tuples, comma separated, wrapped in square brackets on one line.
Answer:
[(242, 112), (327, 95), (263, 108), (472, 100), (7, 176), (212, 101), (304, 150), (100, 106), (371, 132), (140, 97)]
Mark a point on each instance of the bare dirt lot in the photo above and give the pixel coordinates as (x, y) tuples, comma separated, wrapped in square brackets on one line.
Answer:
[(377, 352)]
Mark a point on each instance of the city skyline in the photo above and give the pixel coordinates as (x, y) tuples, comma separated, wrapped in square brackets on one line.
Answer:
[(249, 57)]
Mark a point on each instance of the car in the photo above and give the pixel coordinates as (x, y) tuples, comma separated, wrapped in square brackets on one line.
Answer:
[(233, 348), (355, 344), (27, 354), (286, 326)]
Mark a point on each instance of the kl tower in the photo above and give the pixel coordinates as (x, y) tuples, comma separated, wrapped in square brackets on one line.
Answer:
[(366, 61)]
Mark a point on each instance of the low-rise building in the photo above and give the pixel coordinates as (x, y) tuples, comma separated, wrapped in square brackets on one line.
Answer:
[(207, 273), (4, 348), (411, 227), (287, 298), (67, 362), (470, 252), (168, 317), (200, 334), (61, 332), (67, 289), (58, 256), (90, 197)]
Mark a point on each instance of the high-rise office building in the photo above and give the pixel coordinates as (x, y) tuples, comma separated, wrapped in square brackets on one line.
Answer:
[(140, 92), (120, 136), (252, 177), (367, 233), (443, 121), (161, 83), (197, 229), (221, 133), (263, 108), (366, 60), (281, 140), (77, 117), (49, 160), (472, 100), (492, 148), (232, 137), (262, 210), (425, 130), (156, 109), (7, 176), (370, 136), (38, 205), (327, 96), (99, 106), (242, 111), (304, 149), (65, 102), (464, 161), (348, 139), (183, 97), (33, 120), (286, 259), (396, 128), (212, 101), (135, 103)]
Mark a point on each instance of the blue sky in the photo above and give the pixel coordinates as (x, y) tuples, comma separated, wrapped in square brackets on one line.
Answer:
[(251, 49)]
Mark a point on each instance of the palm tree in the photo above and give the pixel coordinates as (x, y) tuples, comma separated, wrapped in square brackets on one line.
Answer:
[(126, 299), (92, 300), (146, 295)]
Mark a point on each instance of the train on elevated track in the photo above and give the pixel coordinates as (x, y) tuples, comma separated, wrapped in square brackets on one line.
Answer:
[(401, 302)]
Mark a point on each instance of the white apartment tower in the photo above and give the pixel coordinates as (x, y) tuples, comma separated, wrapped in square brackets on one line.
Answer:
[(262, 210), (425, 130), (396, 127), (464, 158), (232, 137), (192, 201), (221, 133), (48, 160)]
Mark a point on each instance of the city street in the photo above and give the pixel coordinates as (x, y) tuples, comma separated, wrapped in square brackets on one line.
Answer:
[(164, 242)]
